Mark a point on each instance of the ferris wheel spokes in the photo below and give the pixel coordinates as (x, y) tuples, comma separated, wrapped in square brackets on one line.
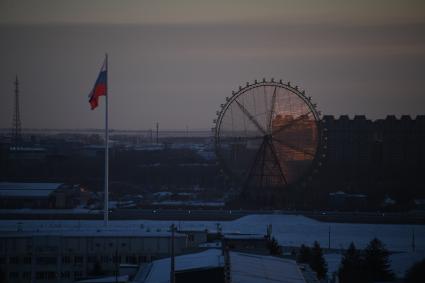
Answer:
[(292, 122), (294, 147), (272, 108), (251, 117)]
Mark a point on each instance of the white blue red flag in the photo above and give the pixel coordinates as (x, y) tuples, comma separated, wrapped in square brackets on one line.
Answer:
[(100, 87)]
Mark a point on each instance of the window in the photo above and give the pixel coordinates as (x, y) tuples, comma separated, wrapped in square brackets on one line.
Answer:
[(39, 275), (105, 259), (142, 258), (65, 274), (45, 275), (26, 275), (116, 259), (131, 259), (46, 260), (90, 244), (78, 259), (66, 259), (51, 275), (14, 260), (29, 245), (91, 259), (13, 275), (78, 274), (27, 260)]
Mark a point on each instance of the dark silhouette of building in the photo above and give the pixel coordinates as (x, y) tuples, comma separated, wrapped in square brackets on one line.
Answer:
[(385, 156)]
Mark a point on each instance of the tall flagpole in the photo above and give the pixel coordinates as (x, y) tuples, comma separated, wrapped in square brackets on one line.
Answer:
[(105, 207)]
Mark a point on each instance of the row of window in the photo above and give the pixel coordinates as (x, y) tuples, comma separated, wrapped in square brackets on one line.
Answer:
[(70, 245), (44, 275), (15, 260), (58, 244), (27, 260)]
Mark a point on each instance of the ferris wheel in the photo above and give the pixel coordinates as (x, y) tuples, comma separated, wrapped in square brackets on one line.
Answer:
[(267, 134)]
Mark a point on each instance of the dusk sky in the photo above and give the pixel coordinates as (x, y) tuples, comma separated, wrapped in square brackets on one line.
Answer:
[(174, 62)]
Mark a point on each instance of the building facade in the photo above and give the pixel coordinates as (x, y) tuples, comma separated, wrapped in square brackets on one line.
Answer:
[(66, 256)]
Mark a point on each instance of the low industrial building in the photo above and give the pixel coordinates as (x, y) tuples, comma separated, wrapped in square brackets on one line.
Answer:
[(346, 201), (41, 195), (27, 153), (195, 237), (69, 255), (246, 242)]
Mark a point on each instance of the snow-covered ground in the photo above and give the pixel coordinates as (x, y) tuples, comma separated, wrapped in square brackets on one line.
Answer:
[(289, 230)]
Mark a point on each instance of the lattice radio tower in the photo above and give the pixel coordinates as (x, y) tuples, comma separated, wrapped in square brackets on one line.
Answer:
[(16, 127)]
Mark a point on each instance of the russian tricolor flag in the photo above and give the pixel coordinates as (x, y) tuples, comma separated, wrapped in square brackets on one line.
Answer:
[(100, 87)]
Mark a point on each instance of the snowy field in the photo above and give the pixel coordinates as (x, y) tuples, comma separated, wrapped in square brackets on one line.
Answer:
[(289, 230)]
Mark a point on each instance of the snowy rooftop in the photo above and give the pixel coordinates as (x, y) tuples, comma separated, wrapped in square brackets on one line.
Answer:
[(87, 232), (50, 211), (190, 203), (244, 236), (110, 279), (159, 270), (27, 189), (27, 149), (245, 268)]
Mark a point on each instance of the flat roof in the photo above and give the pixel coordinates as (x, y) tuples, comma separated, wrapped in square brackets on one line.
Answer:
[(108, 279), (244, 267), (27, 149), (86, 232), (8, 189), (247, 268), (244, 237), (159, 270)]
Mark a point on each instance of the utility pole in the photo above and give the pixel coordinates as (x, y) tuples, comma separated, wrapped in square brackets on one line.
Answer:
[(117, 269), (413, 240), (172, 259), (16, 127), (329, 238), (157, 132)]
